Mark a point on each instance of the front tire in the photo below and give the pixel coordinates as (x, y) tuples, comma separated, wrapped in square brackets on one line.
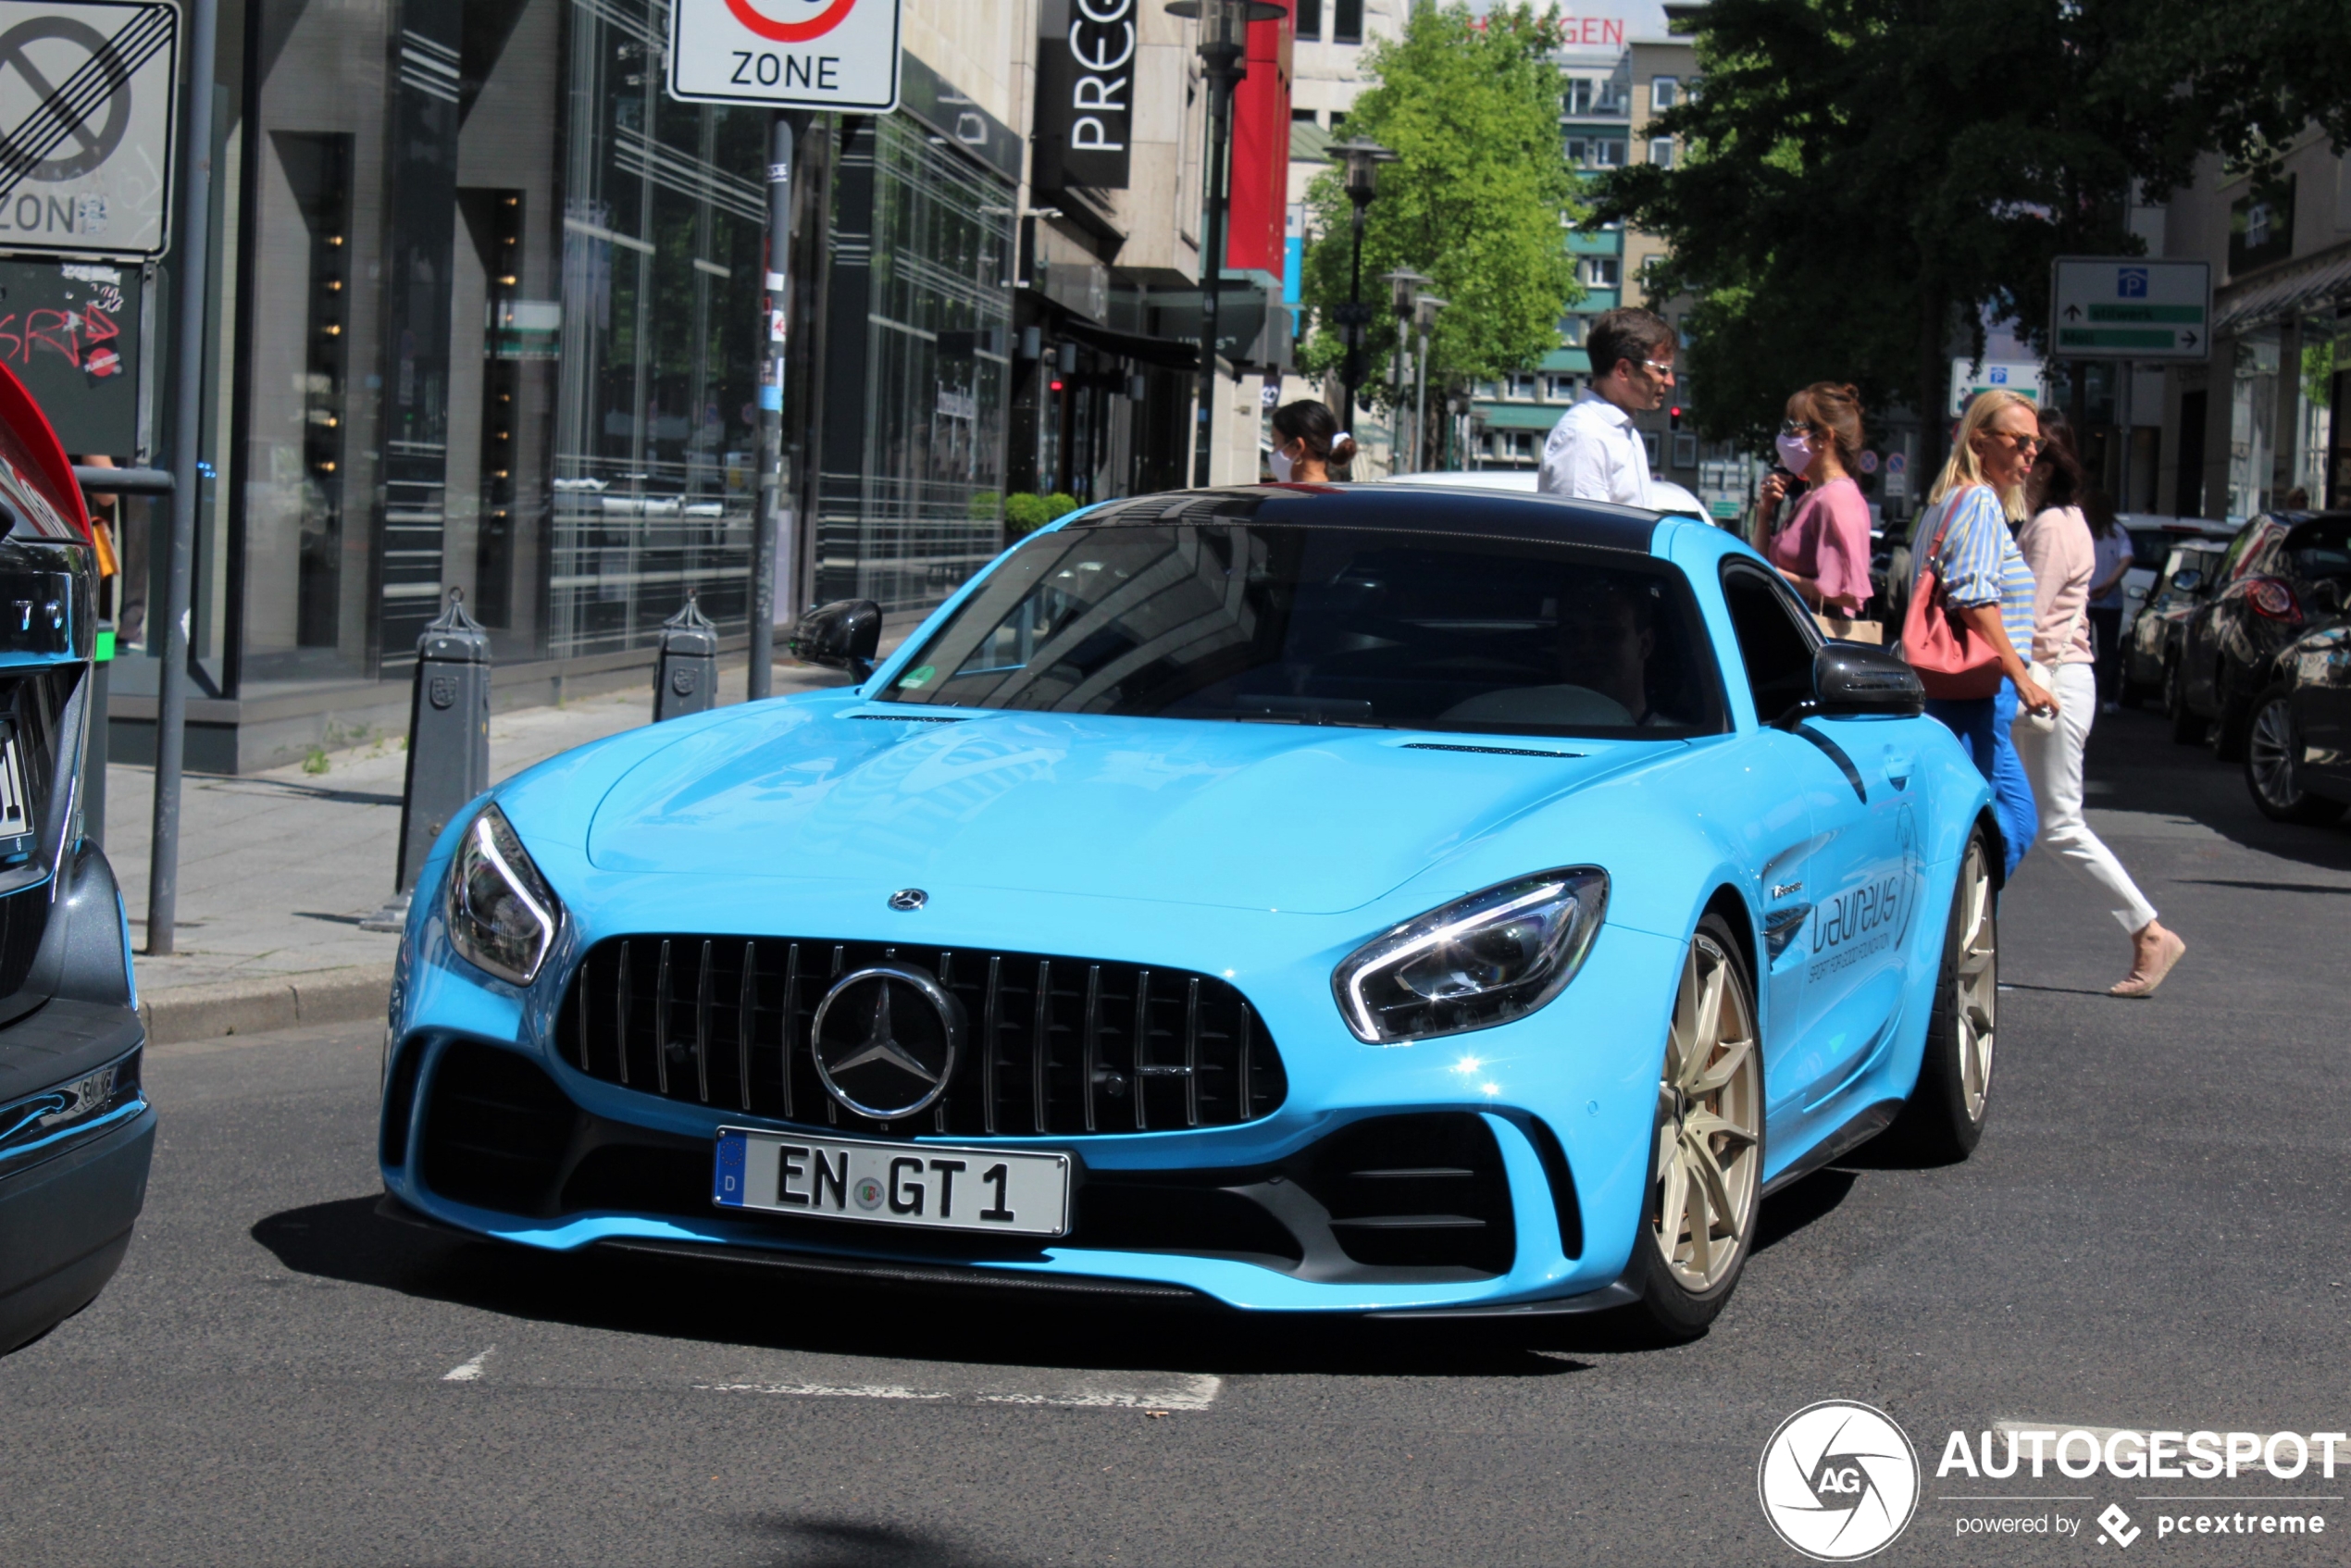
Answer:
[(1944, 1120), (2186, 729), (1706, 1164), (2273, 765), (2231, 722)]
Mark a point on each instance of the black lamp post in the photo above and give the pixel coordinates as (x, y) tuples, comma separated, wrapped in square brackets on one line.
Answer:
[(1224, 57), (1363, 158)]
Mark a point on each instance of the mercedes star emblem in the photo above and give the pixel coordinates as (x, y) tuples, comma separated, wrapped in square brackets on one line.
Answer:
[(909, 898), (886, 1038)]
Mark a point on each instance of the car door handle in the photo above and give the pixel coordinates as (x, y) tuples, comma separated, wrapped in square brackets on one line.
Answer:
[(1897, 768)]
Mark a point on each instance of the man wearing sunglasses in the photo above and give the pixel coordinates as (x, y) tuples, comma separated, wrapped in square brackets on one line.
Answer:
[(1594, 453)]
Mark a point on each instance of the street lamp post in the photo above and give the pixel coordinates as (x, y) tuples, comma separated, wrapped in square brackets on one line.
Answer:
[(1363, 158), (1401, 285), (1224, 57), (1424, 309)]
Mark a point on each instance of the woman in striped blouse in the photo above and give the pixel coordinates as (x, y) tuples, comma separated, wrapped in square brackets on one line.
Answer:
[(1981, 491)]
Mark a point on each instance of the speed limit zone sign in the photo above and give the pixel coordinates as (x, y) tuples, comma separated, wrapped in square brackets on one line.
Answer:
[(793, 53)]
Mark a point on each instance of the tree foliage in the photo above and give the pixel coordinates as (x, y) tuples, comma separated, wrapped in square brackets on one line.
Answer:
[(1863, 177), (1472, 106)]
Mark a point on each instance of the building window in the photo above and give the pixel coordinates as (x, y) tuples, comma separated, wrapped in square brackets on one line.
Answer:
[(1522, 443), (1310, 20), (1564, 388), (1346, 21), (1615, 98), (1572, 332), (1664, 94), (1595, 152), (1600, 272), (1661, 151), (1579, 96), (1522, 385), (1685, 449)]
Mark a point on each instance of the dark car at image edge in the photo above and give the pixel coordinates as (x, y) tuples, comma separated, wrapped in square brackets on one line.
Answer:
[(2283, 572), (76, 1132)]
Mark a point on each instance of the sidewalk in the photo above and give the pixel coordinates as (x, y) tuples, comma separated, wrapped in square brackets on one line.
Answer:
[(276, 870)]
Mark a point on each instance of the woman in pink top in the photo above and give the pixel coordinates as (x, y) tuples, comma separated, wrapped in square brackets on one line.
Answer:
[(1824, 548), (2058, 546)]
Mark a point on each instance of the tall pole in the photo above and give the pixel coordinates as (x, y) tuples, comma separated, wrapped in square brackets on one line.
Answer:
[(2123, 418), (1352, 374), (766, 533), (187, 441), (1420, 419), (1222, 78)]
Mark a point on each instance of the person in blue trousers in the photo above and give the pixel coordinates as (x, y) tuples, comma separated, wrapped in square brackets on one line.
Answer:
[(1966, 528)]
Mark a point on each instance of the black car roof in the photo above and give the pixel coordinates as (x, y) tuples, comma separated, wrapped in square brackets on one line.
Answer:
[(1419, 508)]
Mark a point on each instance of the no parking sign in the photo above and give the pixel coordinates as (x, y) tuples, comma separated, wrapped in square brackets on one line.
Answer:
[(789, 54)]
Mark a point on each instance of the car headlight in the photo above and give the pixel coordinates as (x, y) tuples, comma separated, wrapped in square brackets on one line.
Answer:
[(503, 917), (1477, 962)]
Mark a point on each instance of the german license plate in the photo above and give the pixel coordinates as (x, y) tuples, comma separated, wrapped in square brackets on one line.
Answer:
[(997, 1190)]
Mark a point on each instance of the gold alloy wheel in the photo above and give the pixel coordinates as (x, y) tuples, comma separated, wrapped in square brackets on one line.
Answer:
[(1975, 1004), (1710, 1146)]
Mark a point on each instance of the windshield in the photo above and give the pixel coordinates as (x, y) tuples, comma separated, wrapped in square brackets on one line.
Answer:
[(1328, 625)]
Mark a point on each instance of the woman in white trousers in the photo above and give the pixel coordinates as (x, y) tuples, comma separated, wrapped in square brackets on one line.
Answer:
[(2057, 545)]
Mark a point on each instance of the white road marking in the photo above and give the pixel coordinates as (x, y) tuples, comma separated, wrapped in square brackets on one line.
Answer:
[(1190, 1391), (467, 1372), (1186, 1391), (825, 1390)]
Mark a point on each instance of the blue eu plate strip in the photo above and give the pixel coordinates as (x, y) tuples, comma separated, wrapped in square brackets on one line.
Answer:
[(727, 1178)]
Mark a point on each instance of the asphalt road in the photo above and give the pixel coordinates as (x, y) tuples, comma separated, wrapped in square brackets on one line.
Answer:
[(2152, 1236)]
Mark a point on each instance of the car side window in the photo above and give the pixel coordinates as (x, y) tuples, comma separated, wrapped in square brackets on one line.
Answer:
[(1775, 644)]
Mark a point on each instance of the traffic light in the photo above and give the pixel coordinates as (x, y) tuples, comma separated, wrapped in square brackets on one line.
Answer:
[(1673, 418)]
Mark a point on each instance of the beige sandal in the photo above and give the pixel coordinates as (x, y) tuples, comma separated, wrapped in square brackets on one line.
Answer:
[(2150, 968)]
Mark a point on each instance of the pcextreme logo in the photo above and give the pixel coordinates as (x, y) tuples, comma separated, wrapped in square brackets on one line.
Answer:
[(1839, 1481)]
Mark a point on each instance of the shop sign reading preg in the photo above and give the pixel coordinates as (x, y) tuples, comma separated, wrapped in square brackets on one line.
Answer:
[(793, 54), (1086, 88)]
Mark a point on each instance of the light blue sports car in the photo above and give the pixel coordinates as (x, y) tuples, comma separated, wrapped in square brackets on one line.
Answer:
[(1373, 900)]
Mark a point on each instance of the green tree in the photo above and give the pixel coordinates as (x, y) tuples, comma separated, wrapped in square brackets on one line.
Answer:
[(1470, 107), (1863, 179)]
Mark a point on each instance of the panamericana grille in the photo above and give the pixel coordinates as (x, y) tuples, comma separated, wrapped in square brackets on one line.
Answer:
[(1056, 1045)]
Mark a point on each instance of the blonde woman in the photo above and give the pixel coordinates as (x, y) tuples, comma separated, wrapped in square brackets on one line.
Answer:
[(1966, 535), (2064, 558)]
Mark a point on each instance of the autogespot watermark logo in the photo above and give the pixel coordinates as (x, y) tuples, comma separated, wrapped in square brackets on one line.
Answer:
[(1839, 1481)]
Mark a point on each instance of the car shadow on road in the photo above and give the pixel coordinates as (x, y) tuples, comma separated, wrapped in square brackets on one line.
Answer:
[(2133, 765), (844, 1543), (1792, 1209), (740, 1304)]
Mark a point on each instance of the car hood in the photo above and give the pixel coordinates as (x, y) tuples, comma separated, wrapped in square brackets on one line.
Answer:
[(1311, 821)]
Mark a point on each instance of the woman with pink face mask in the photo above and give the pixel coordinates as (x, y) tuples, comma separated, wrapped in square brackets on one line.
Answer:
[(1308, 443), (1823, 548)]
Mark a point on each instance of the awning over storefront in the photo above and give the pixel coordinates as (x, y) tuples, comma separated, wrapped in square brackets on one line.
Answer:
[(2271, 300), (1520, 415), (1166, 352)]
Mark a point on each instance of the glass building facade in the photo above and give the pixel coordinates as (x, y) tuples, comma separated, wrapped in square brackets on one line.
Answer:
[(489, 320)]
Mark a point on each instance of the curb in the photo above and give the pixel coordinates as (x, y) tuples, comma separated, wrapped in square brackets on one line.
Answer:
[(245, 1007)]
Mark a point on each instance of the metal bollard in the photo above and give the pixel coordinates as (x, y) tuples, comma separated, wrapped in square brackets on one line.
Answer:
[(448, 733), (686, 676)]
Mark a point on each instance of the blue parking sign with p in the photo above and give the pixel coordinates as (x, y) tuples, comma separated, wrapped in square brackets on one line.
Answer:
[(2131, 282)]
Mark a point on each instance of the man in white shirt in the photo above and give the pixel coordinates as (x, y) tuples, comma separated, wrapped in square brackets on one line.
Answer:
[(1594, 453)]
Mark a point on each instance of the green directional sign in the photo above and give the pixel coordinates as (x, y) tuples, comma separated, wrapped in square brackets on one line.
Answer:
[(2130, 308)]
